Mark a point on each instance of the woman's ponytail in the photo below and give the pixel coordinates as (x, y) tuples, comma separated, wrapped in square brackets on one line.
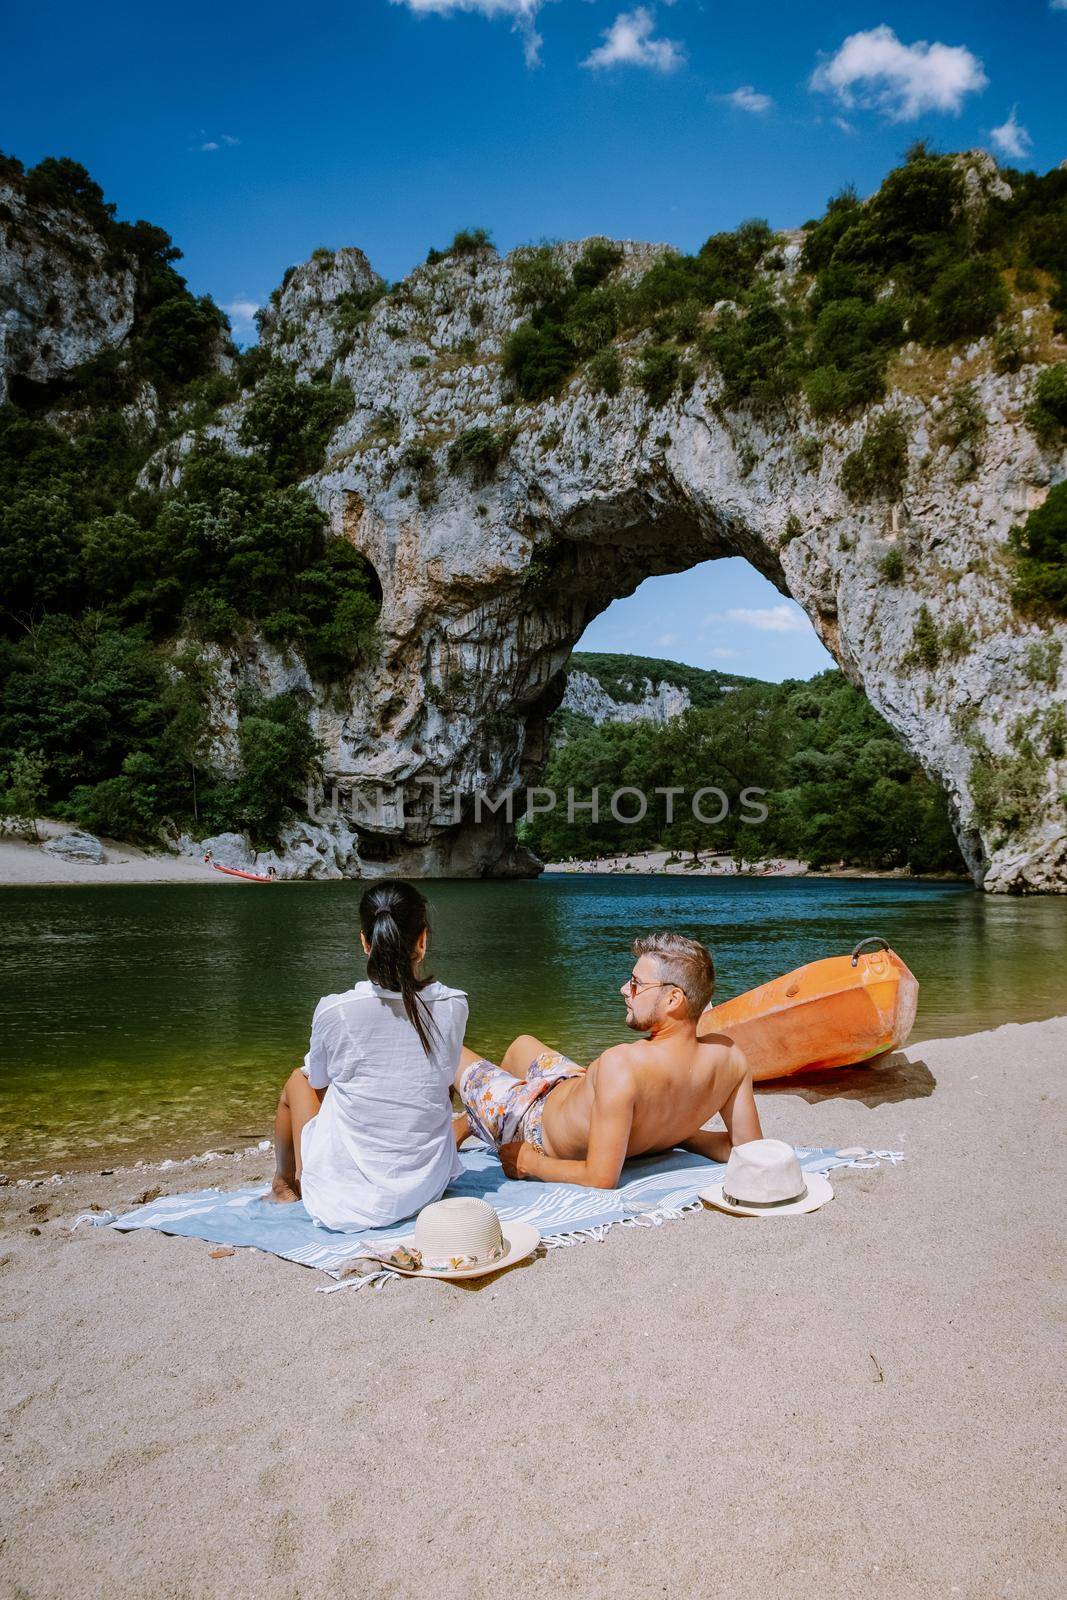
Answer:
[(393, 918)]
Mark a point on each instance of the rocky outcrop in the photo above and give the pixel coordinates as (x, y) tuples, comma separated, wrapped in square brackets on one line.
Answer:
[(489, 583), (77, 847), (492, 562), (658, 702), (63, 298)]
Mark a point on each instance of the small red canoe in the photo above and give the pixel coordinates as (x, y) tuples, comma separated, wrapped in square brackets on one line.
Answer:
[(235, 872), (832, 1013)]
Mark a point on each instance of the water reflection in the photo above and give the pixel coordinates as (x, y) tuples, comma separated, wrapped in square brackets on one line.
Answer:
[(165, 1017)]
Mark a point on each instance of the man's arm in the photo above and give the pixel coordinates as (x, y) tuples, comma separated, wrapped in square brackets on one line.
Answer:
[(740, 1116), (609, 1134)]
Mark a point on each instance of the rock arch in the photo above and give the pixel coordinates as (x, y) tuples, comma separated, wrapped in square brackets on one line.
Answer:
[(489, 577)]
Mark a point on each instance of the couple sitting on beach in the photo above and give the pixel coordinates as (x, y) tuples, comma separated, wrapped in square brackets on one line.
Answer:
[(365, 1134)]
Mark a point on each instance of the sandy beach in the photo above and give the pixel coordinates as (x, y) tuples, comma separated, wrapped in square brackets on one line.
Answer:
[(861, 1401), (27, 865), (24, 864), (710, 864)]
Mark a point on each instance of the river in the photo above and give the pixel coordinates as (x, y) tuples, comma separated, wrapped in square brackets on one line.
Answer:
[(162, 1020)]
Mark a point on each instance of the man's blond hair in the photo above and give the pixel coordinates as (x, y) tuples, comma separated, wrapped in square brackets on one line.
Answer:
[(686, 962)]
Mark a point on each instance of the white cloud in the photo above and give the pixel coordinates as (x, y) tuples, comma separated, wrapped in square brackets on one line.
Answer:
[(1011, 138), (768, 619), (630, 42), (224, 139), (242, 315), (746, 98), (1058, 5), (522, 12), (669, 638), (721, 653), (874, 69)]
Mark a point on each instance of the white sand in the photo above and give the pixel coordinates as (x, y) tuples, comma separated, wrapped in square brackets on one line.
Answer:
[(714, 865), (25, 865), (708, 864), (861, 1402)]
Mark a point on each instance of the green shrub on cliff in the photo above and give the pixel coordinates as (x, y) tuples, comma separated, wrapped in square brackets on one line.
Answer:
[(878, 469), (478, 452), (538, 360), (1040, 550), (755, 353), (1046, 415), (291, 422), (658, 372), (1007, 790)]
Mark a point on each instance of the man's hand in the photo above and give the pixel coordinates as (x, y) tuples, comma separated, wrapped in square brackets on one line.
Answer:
[(517, 1159)]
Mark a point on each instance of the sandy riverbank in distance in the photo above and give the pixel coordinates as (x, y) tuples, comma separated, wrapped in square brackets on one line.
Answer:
[(26, 865), (712, 865), (861, 1401)]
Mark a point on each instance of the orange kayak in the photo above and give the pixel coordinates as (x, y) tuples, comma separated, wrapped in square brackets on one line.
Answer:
[(832, 1013)]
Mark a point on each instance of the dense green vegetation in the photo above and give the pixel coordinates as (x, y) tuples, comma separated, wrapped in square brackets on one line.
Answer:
[(624, 677), (1040, 547), (110, 589), (839, 785), (908, 264), (113, 579)]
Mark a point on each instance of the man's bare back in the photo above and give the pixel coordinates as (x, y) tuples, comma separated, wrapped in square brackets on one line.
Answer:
[(634, 1099), (673, 1086)]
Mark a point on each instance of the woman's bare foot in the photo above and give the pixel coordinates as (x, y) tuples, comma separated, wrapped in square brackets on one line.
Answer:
[(285, 1190), (461, 1127)]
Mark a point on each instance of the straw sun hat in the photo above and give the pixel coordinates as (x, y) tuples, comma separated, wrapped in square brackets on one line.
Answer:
[(462, 1238), (764, 1178)]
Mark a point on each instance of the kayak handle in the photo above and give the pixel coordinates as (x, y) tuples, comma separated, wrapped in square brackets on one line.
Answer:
[(883, 944)]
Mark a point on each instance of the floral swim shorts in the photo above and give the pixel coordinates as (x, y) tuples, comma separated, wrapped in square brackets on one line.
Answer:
[(502, 1108)]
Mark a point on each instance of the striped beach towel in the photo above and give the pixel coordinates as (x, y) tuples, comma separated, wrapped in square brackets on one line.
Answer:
[(653, 1190)]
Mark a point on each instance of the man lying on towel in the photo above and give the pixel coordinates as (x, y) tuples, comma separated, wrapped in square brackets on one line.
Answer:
[(561, 1123)]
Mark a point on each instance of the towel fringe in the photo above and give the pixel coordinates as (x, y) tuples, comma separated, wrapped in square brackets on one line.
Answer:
[(370, 1280), (95, 1219)]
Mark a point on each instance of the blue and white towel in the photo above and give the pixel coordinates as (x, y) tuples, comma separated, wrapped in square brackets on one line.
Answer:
[(653, 1191)]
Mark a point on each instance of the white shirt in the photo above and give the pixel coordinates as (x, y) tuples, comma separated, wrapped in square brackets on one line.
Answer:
[(382, 1145)]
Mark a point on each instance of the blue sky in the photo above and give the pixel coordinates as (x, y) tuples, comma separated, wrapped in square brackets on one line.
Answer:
[(254, 133)]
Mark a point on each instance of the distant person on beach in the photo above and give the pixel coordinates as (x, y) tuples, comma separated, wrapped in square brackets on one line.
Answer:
[(363, 1132), (556, 1121)]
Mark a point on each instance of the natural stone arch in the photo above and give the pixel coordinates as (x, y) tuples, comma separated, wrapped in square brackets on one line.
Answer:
[(487, 584)]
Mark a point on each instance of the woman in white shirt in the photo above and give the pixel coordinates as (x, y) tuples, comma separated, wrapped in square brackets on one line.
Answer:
[(363, 1133)]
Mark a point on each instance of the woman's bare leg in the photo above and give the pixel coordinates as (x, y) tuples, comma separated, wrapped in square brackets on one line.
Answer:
[(297, 1104)]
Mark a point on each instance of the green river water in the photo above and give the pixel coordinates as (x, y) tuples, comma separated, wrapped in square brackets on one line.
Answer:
[(162, 1020)]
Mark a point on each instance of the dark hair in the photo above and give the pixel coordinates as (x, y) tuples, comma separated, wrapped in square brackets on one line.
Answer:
[(393, 915)]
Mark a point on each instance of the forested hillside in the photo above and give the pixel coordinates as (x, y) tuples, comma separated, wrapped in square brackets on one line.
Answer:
[(840, 785), (114, 592), (872, 409)]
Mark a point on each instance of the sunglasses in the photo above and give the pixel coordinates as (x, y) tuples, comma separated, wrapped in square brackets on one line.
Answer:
[(636, 983)]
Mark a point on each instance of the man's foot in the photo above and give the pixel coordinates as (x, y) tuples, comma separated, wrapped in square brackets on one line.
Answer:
[(285, 1190)]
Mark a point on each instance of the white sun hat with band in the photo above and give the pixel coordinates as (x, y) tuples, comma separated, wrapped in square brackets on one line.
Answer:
[(764, 1178), (461, 1238)]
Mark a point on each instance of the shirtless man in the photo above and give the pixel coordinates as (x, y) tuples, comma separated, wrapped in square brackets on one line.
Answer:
[(556, 1121)]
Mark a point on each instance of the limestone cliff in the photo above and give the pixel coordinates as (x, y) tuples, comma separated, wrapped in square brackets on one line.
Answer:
[(63, 297), (499, 528), (658, 702), (490, 578)]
